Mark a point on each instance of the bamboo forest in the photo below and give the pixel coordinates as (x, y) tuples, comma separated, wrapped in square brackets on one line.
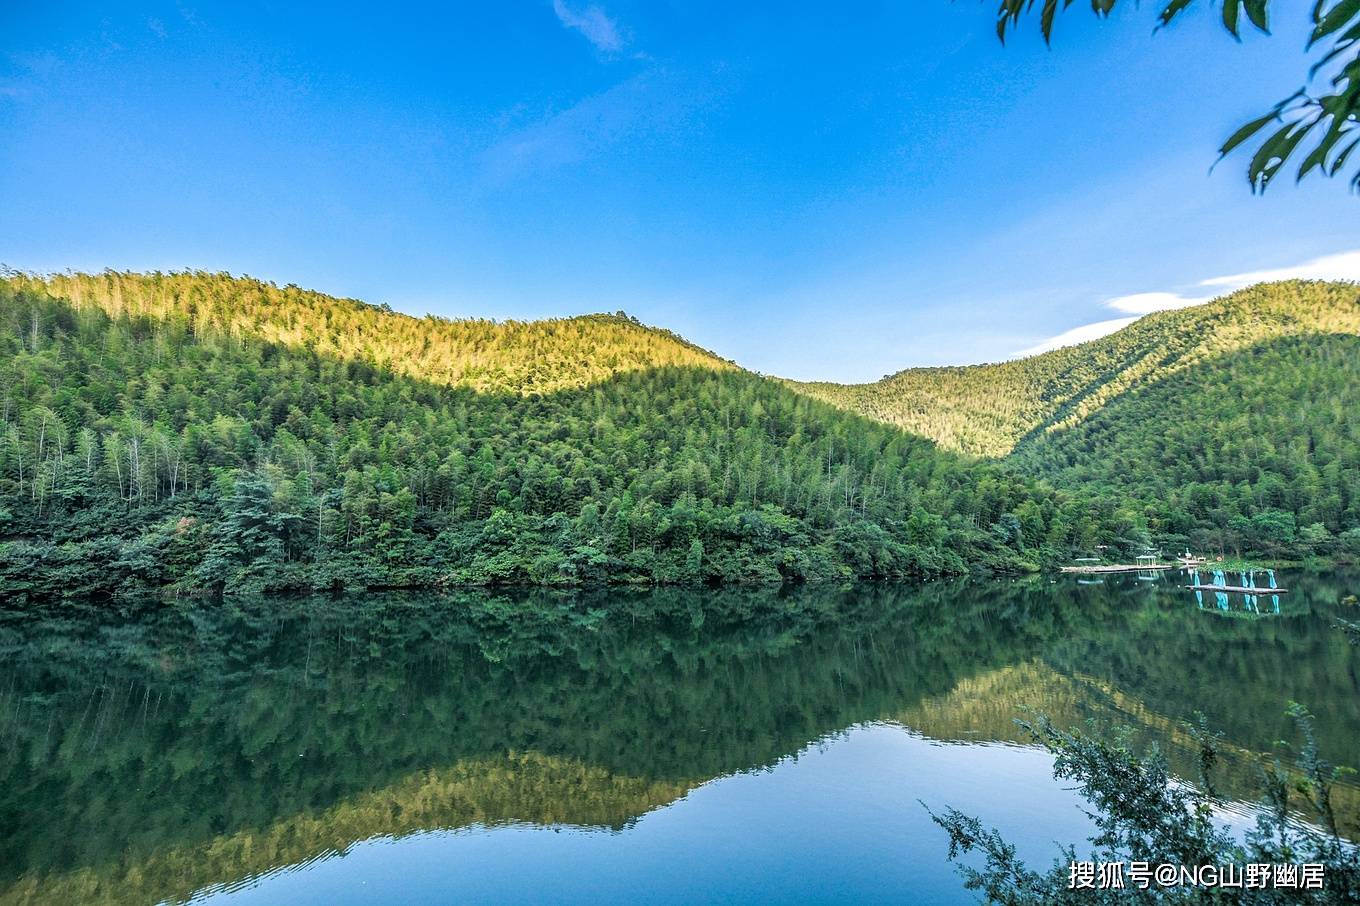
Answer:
[(607, 453)]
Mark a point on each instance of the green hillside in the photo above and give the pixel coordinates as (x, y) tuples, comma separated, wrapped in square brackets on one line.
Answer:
[(1255, 450), (1232, 426), (201, 433), (198, 433), (986, 410), (512, 356)]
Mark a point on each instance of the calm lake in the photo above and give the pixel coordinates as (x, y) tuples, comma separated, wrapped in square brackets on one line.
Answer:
[(623, 746)]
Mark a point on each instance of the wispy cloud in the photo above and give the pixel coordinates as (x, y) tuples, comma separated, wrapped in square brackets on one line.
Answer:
[(1147, 303), (655, 102), (569, 135), (31, 73), (1083, 334), (592, 22), (1341, 266)]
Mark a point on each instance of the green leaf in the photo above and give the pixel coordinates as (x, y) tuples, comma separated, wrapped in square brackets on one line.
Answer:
[(1230, 9), (1046, 18), (1340, 160), (1246, 132), (1008, 14), (1343, 44), (1271, 156), (1173, 9), (1256, 12), (1317, 158), (1343, 12)]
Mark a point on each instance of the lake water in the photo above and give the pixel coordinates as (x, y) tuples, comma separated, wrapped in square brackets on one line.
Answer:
[(625, 746)]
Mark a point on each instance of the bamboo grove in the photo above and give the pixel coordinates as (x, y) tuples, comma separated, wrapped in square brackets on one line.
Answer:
[(198, 433)]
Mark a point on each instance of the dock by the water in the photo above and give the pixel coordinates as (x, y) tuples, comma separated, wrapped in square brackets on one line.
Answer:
[(1117, 568), (1241, 589)]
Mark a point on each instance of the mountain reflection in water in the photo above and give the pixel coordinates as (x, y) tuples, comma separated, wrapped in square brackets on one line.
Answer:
[(152, 754)]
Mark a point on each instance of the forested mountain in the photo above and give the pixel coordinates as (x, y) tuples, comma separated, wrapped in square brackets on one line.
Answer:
[(986, 410), (201, 433), (1255, 450), (1232, 426), (513, 356)]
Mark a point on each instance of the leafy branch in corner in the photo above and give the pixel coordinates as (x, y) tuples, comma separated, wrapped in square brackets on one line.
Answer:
[(1319, 130), (1143, 813)]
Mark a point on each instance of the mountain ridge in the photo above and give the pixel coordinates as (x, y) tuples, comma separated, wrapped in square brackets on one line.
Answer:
[(203, 440), (197, 433), (1229, 426), (484, 354), (988, 410)]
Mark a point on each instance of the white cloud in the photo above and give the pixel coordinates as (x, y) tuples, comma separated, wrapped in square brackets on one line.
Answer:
[(593, 23), (1146, 303), (1077, 335), (1341, 266)]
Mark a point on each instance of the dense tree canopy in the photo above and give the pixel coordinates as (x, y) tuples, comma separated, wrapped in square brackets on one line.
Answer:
[(217, 435), (199, 433), (1231, 426)]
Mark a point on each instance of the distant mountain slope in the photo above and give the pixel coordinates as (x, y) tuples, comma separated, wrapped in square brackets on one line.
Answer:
[(204, 434), (513, 356), (1232, 426), (988, 410), (1257, 446)]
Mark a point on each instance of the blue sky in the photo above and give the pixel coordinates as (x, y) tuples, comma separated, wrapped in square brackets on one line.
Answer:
[(833, 191)]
